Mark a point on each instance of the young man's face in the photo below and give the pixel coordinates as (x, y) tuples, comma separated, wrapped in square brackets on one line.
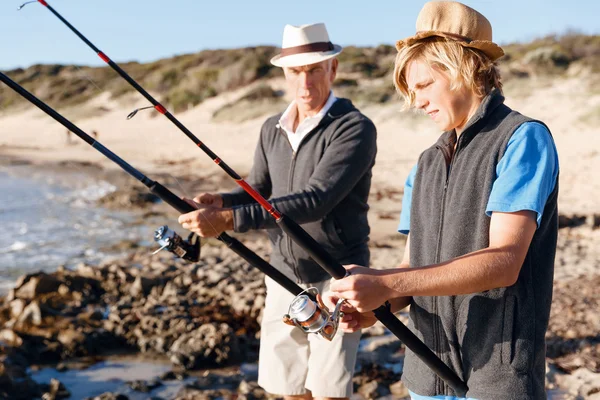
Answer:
[(449, 109), (311, 84)]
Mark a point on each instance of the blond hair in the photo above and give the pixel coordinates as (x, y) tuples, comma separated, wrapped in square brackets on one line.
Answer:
[(464, 66)]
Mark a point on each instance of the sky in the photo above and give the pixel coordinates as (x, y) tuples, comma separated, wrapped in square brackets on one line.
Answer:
[(147, 30)]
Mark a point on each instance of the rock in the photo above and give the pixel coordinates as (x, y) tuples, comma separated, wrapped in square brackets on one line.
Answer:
[(71, 338), (373, 380), (172, 375), (144, 386), (86, 270), (399, 390), (56, 391), (595, 221), (244, 387), (10, 337), (208, 346), (88, 286), (382, 349), (133, 197), (11, 295), (109, 396), (16, 307), (62, 367), (92, 315), (15, 383), (250, 390), (37, 284), (63, 290), (142, 286), (571, 221), (369, 390), (32, 314), (211, 380), (23, 279)]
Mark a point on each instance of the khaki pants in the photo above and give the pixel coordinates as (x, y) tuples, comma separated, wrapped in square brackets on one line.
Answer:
[(292, 362)]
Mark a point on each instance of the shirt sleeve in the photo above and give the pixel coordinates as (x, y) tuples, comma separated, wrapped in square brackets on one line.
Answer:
[(404, 226), (526, 174)]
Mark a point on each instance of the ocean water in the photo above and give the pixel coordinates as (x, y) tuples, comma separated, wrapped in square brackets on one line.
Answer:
[(113, 373), (47, 221)]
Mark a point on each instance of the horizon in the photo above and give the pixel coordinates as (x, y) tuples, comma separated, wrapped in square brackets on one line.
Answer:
[(139, 32)]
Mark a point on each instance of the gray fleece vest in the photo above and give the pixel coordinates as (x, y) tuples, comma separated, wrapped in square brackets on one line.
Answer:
[(495, 340)]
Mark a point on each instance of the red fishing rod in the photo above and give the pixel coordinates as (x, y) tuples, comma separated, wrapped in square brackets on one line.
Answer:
[(162, 192), (291, 228), (306, 311)]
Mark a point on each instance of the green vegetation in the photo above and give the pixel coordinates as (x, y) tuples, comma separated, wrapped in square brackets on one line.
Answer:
[(364, 74), (369, 62), (179, 82), (554, 54)]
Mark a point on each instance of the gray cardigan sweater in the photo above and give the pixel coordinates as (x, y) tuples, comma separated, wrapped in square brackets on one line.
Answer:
[(324, 187), (494, 340)]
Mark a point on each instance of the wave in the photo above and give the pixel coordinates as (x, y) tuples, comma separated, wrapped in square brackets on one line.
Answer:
[(16, 246)]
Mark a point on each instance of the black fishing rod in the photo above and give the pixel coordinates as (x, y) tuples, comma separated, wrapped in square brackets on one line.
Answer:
[(159, 190), (306, 311), (291, 228)]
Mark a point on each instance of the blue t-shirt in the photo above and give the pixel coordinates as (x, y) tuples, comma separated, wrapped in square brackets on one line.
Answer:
[(415, 396), (525, 175)]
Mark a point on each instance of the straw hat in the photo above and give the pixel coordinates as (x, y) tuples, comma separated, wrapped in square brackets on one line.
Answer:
[(305, 45), (454, 21)]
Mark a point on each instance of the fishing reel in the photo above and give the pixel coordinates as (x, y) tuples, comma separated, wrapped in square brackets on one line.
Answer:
[(168, 239), (313, 316)]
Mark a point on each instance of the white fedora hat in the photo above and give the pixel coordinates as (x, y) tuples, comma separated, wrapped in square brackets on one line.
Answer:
[(305, 45)]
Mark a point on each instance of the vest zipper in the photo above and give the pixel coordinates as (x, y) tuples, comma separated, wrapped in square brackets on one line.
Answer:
[(449, 156)]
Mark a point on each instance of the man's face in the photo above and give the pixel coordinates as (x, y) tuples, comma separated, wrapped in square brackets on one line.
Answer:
[(448, 108), (311, 84)]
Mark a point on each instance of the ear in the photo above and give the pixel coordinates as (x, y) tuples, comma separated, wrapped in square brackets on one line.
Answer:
[(334, 67)]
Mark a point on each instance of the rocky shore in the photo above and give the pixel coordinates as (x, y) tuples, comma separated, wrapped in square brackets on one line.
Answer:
[(202, 321), (206, 317), (199, 316)]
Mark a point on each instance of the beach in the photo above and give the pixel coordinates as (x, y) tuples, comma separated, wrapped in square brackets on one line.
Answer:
[(205, 316)]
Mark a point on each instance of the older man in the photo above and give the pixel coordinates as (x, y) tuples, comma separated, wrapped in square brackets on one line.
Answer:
[(314, 162)]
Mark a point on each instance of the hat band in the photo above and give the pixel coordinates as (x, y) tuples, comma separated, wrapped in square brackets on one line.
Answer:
[(453, 36), (307, 48)]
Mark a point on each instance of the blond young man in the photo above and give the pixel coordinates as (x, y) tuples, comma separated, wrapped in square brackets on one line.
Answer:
[(313, 162), (480, 212)]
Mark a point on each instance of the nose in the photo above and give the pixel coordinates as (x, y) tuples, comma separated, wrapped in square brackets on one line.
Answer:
[(305, 79), (420, 102)]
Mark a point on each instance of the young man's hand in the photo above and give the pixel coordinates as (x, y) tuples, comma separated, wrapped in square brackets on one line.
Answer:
[(352, 320), (364, 289)]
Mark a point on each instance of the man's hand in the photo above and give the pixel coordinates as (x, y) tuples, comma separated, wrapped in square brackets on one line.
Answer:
[(207, 221), (365, 289), (209, 199)]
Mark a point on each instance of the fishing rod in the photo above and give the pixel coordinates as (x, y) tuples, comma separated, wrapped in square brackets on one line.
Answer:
[(307, 311), (291, 228)]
